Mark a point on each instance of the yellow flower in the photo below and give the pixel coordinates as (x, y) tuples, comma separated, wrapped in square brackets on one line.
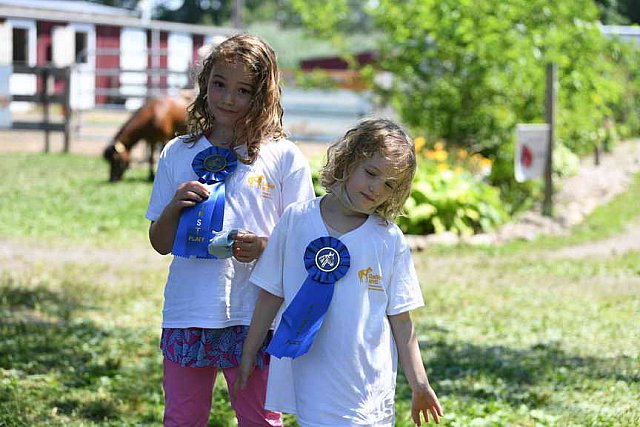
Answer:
[(442, 166), (419, 143), (462, 153), (441, 156), (439, 146), (430, 154)]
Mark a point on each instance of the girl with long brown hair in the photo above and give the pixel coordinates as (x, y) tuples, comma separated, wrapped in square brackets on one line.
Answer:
[(217, 195)]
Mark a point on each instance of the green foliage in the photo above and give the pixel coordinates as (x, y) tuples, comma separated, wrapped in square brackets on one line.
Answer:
[(467, 72), (293, 45), (618, 12), (624, 113), (447, 200), (444, 198), (565, 162), (316, 79), (323, 18), (449, 193), (315, 178)]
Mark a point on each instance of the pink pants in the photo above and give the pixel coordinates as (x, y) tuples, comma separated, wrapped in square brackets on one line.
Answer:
[(188, 393)]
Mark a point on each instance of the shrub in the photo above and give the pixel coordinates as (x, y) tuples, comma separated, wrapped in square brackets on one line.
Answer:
[(449, 194)]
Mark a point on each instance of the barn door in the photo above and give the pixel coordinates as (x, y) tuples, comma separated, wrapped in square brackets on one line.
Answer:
[(75, 46), (180, 56), (133, 56), (22, 39)]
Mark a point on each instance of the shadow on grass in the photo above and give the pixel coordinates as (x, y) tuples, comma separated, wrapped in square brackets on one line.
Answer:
[(528, 376), (40, 300), (81, 364), (126, 180)]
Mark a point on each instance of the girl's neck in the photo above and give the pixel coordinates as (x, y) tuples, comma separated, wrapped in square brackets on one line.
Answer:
[(220, 137), (337, 216)]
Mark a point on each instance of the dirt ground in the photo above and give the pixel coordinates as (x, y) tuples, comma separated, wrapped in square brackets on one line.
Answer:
[(91, 132)]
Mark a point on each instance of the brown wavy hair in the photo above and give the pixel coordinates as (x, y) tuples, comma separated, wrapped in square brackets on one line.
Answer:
[(264, 118), (368, 138)]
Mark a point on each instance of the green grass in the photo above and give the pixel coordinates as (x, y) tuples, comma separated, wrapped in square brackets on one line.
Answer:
[(511, 336), (68, 197)]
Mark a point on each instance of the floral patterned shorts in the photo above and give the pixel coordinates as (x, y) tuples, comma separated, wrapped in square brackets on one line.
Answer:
[(203, 348)]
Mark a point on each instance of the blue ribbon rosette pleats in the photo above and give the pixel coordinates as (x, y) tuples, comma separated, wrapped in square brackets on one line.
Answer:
[(198, 223), (327, 260)]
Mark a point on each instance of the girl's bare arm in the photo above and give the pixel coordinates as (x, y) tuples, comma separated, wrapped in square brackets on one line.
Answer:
[(266, 309), (424, 399)]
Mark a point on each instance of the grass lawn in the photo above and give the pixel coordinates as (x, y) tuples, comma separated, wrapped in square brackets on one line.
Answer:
[(511, 336)]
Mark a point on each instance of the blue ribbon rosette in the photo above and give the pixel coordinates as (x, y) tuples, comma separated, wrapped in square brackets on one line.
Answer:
[(327, 260), (200, 222)]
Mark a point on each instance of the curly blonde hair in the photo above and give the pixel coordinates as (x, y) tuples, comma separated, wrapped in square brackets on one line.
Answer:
[(368, 138), (264, 118)]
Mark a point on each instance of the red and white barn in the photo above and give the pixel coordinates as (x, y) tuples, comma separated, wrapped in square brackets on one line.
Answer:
[(115, 54)]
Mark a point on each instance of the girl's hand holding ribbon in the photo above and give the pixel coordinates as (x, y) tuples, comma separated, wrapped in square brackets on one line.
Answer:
[(248, 246), (189, 194)]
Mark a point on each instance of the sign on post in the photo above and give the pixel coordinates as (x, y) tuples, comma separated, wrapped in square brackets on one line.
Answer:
[(532, 145)]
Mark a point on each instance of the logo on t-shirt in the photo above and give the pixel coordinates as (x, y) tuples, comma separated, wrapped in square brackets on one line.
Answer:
[(259, 182), (372, 281)]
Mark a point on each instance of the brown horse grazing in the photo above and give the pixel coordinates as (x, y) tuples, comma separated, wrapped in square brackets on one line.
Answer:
[(157, 121)]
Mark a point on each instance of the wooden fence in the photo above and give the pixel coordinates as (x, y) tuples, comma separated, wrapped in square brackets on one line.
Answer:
[(45, 96)]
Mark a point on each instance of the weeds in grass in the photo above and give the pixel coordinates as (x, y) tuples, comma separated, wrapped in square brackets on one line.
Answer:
[(510, 336)]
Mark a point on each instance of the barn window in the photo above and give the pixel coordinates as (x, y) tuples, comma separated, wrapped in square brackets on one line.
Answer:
[(81, 48), (20, 46)]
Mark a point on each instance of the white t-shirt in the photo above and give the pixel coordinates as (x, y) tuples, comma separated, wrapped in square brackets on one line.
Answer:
[(348, 376), (212, 293)]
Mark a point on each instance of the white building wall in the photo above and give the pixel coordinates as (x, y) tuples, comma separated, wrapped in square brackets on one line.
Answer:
[(23, 84)]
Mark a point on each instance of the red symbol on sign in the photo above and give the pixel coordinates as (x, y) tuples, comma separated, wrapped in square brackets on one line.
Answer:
[(526, 156)]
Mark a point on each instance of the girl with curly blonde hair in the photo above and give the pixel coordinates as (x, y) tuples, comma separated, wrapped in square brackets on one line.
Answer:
[(339, 280)]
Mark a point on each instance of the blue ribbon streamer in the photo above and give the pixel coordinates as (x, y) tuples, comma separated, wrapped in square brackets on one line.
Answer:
[(327, 260), (198, 223)]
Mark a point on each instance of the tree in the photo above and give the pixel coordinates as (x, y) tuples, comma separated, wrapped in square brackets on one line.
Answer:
[(468, 71), (127, 4), (216, 12), (630, 9), (622, 12)]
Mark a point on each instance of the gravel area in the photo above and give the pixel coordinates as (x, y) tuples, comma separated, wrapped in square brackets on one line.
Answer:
[(577, 197)]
